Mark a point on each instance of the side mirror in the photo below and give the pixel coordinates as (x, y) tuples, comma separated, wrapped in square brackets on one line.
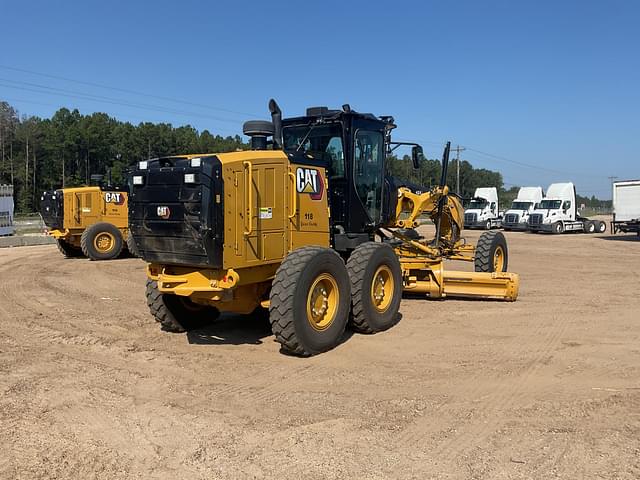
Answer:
[(416, 156)]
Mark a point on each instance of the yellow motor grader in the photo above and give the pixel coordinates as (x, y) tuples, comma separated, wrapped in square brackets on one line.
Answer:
[(308, 224), (88, 221)]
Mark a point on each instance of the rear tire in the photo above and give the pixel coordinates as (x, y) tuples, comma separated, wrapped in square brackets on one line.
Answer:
[(602, 227), (131, 246), (309, 301), (101, 241), (376, 287), (67, 249), (176, 313), (589, 226), (491, 254)]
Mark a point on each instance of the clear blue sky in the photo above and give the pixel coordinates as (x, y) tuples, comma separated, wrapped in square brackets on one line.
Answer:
[(552, 84)]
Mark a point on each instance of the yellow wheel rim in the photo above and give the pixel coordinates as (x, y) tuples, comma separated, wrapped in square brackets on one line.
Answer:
[(382, 288), (104, 242), (322, 302), (498, 259)]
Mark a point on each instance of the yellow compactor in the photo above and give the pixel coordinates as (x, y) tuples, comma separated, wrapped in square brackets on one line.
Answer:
[(307, 224), (89, 221)]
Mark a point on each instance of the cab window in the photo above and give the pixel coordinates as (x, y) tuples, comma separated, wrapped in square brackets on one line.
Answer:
[(368, 170)]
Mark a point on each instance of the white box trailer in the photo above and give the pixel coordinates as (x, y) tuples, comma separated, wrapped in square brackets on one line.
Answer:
[(6, 210), (626, 206), (483, 210), (517, 217)]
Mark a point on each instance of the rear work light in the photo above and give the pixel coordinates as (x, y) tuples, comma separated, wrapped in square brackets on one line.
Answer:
[(137, 179), (189, 178), (143, 165), (195, 162)]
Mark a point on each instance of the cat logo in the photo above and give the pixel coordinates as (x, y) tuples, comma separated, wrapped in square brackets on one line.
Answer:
[(164, 212), (114, 197), (309, 180)]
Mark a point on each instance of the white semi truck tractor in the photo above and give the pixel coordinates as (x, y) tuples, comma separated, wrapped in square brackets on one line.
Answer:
[(517, 217), (558, 213), (482, 211), (626, 207)]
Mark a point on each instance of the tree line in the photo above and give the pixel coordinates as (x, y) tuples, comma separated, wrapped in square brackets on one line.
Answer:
[(38, 154)]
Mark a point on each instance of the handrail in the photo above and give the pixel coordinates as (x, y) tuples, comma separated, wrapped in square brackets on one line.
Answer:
[(295, 196), (248, 195)]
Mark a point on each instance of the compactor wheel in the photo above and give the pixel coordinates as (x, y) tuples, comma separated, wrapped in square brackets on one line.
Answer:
[(376, 287), (176, 313), (67, 249), (491, 254), (101, 241), (309, 301)]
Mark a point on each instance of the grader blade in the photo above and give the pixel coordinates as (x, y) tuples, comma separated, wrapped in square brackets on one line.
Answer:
[(438, 283)]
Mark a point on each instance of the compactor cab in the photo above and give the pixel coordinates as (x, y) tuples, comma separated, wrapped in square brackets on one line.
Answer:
[(88, 221), (307, 224)]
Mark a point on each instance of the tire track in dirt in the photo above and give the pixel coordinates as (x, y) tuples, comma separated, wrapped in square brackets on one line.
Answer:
[(417, 434)]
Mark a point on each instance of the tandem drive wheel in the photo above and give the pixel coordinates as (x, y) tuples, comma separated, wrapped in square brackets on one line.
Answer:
[(309, 301), (101, 241)]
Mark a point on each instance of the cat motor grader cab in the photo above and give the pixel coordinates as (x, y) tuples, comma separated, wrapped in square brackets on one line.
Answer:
[(307, 224), (90, 221)]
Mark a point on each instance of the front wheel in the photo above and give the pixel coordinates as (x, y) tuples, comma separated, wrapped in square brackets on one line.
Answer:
[(487, 226), (176, 313), (557, 227), (491, 254), (376, 287), (309, 301)]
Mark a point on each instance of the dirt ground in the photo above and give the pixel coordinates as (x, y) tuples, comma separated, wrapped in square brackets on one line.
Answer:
[(546, 387)]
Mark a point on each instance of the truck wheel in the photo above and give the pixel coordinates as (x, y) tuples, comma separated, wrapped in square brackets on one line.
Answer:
[(68, 250), (487, 226), (376, 287), (589, 226), (557, 227), (101, 241), (131, 246), (176, 313), (491, 254), (602, 227), (309, 301)]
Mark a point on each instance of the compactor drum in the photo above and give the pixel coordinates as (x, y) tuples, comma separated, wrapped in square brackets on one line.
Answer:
[(88, 221), (307, 224)]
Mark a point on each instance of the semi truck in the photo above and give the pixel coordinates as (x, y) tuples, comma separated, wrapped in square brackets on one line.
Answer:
[(558, 213), (626, 207), (517, 217), (482, 211)]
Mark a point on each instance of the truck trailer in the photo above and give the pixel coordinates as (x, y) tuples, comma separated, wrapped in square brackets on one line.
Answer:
[(558, 213), (482, 211), (6, 210), (517, 217), (626, 207)]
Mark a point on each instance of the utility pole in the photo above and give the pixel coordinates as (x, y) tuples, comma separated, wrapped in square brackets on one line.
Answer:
[(458, 149)]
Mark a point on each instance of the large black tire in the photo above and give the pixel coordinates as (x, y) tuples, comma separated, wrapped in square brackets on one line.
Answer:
[(589, 226), (487, 226), (68, 250), (90, 241), (491, 254), (176, 313), (131, 246), (557, 227), (308, 275), (370, 310), (601, 227)]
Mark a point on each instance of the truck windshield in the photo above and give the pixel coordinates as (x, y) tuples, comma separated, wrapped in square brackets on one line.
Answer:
[(550, 204), (477, 203), (322, 142), (521, 205)]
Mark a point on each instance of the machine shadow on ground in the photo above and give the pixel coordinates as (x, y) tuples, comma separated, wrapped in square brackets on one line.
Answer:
[(622, 238), (232, 329)]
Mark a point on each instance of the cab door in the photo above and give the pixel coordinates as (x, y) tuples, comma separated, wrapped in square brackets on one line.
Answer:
[(368, 173)]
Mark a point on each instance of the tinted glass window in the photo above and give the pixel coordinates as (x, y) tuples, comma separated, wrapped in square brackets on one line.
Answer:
[(368, 170)]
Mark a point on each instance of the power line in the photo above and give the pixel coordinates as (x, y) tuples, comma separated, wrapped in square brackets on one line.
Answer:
[(124, 90)]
